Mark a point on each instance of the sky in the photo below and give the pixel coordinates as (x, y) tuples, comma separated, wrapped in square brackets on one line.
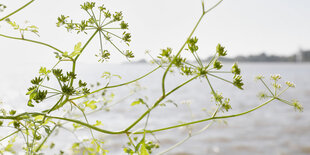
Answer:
[(244, 27)]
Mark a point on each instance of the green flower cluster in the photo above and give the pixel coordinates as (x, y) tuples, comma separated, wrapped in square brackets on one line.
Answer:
[(104, 24)]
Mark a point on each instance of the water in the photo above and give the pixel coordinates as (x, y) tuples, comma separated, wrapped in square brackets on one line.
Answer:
[(274, 129)]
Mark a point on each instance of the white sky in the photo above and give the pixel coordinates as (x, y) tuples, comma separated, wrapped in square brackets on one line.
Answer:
[(244, 27)]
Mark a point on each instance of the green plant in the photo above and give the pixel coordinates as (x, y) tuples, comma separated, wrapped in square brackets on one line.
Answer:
[(73, 95)]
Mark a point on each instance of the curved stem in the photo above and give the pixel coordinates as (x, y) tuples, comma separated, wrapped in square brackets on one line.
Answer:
[(33, 41), (208, 119), (86, 44), (122, 84), (45, 139), (17, 10), (9, 135), (179, 52), (157, 102)]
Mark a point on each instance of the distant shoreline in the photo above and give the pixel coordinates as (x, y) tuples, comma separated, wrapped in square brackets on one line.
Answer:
[(301, 57)]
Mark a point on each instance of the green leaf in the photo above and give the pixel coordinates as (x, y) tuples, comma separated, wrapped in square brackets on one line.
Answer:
[(77, 50), (91, 104), (143, 150), (76, 125), (32, 95), (77, 47), (30, 103), (98, 123), (30, 91), (135, 103)]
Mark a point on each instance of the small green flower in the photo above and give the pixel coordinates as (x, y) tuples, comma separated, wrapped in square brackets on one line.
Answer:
[(64, 78), (118, 16), (88, 6), (191, 43), (276, 85), (275, 77), (124, 25), (86, 91), (262, 95), (259, 77), (82, 84), (61, 20), (217, 65), (107, 14), (187, 70), (290, 84), (297, 105), (36, 80), (40, 96), (220, 50), (235, 69), (57, 72), (129, 54), (126, 37), (71, 75), (226, 106), (238, 81), (218, 97), (67, 90), (166, 52), (178, 61), (101, 8), (201, 71)]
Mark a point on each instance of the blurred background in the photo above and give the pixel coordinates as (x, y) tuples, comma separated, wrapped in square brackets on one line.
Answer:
[(265, 37)]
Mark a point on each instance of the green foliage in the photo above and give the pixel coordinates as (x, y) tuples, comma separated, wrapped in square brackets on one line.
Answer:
[(31, 28), (74, 101)]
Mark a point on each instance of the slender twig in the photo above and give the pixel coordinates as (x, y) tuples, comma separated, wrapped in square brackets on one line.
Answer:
[(21, 8), (9, 135), (114, 86), (33, 41)]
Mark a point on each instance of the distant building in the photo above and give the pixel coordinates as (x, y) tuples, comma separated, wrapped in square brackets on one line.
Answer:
[(303, 56)]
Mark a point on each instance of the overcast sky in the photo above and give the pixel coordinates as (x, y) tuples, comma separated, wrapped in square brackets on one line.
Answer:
[(244, 27)]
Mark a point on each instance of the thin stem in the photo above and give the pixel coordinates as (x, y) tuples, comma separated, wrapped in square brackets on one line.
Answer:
[(157, 102), (219, 71), (185, 139), (85, 117), (86, 125), (208, 119), (86, 44), (33, 41), (214, 56), (112, 28), (283, 91), (109, 40), (9, 135), (181, 49), (179, 52), (112, 34), (220, 78), (51, 88), (285, 101), (213, 92), (17, 10), (126, 83), (45, 139), (101, 46), (267, 87)]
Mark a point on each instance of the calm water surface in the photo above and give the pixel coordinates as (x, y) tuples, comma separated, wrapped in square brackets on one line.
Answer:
[(274, 129)]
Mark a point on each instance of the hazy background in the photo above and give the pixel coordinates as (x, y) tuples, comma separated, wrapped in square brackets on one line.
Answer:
[(245, 27)]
